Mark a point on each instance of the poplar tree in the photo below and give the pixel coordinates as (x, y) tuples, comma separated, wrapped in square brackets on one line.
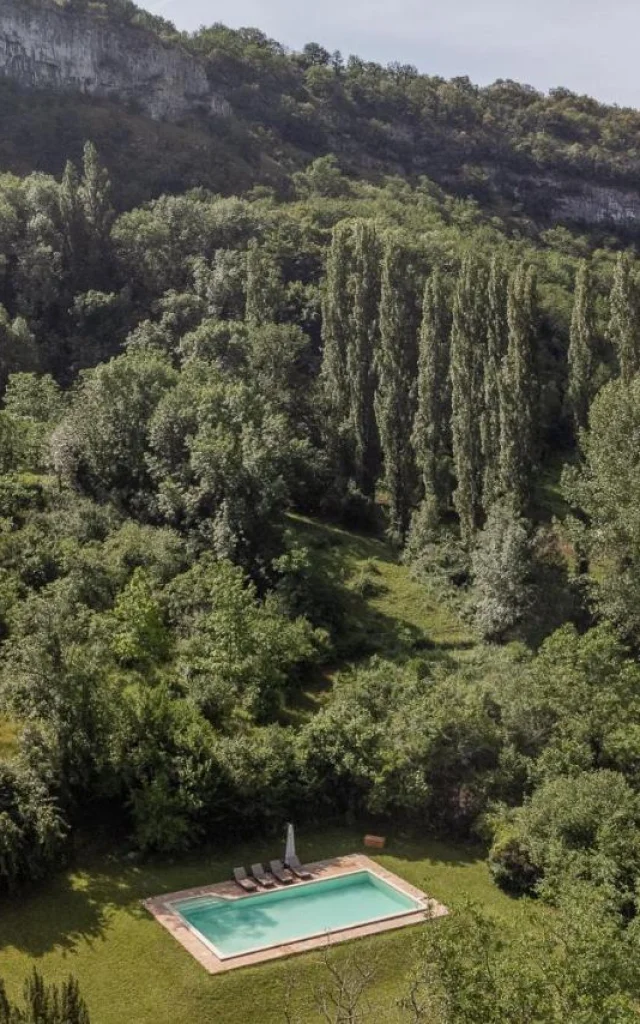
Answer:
[(580, 349), (432, 412), (497, 339), (95, 194), (361, 356), (396, 364), (624, 329), (264, 293), (468, 341), (73, 222), (336, 311), (519, 391)]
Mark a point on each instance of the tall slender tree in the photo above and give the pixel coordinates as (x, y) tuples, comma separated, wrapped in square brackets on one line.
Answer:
[(580, 349), (95, 197), (264, 293), (336, 315), (73, 224), (468, 342), (431, 422), (396, 364), (519, 391), (624, 313), (497, 341), (361, 355)]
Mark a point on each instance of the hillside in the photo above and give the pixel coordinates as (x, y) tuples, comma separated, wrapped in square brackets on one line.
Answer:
[(233, 108), (319, 503)]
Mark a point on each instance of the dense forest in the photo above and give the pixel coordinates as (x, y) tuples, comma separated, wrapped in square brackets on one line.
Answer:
[(188, 380)]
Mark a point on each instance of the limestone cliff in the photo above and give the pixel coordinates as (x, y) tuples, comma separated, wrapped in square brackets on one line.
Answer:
[(44, 46), (600, 205)]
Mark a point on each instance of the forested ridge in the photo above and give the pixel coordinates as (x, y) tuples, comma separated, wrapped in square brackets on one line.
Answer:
[(511, 147), (193, 385)]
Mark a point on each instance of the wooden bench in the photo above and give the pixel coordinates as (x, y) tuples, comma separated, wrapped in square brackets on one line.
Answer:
[(375, 842)]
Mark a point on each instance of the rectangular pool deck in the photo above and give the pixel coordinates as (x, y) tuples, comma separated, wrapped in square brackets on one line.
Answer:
[(164, 910)]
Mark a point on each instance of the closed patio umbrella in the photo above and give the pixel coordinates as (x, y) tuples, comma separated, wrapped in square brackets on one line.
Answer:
[(290, 847)]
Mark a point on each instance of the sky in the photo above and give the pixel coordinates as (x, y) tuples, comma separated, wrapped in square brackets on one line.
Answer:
[(589, 46)]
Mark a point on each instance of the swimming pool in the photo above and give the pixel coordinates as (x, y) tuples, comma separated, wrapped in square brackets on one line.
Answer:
[(232, 928)]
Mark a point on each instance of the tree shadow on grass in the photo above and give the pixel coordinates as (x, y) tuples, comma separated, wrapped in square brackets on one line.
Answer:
[(76, 908), (347, 568), (73, 907)]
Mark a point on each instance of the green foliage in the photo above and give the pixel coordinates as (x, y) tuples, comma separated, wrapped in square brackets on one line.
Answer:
[(101, 444), (139, 637), (264, 287), (502, 565), (497, 345), (391, 741), (581, 345), (236, 654), (578, 827), (361, 356), (604, 491), (335, 325), (577, 970), (395, 396), (431, 424), (163, 753), (519, 416), (32, 828), (468, 339), (578, 707), (623, 317)]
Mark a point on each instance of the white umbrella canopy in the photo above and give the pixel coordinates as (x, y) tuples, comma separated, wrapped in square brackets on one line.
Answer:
[(290, 847)]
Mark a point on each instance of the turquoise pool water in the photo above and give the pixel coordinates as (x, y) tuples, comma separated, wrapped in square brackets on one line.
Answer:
[(234, 927)]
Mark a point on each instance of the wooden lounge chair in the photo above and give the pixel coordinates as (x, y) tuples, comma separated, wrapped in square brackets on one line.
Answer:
[(261, 876), (243, 880), (279, 871), (297, 868)]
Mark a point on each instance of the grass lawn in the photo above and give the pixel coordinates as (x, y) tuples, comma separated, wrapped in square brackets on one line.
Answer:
[(88, 921)]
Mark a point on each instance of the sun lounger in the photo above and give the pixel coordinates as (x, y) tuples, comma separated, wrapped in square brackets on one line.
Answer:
[(244, 881), (279, 871), (297, 868), (261, 876)]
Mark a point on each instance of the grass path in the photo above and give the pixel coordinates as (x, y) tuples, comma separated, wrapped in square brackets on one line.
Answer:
[(384, 610)]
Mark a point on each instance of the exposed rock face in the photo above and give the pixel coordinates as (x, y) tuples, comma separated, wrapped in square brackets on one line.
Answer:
[(601, 204), (554, 198), (44, 46)]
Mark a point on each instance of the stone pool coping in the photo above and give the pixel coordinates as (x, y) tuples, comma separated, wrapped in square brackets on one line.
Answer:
[(160, 908)]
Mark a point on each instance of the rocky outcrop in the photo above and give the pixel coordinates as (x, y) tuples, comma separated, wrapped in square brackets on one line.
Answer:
[(600, 205), (557, 199), (44, 46)]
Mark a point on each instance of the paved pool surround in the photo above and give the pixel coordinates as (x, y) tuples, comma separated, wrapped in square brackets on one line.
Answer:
[(161, 907)]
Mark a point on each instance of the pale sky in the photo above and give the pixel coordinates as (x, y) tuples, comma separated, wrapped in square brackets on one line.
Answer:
[(589, 46)]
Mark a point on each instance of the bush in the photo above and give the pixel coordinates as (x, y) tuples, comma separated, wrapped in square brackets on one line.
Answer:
[(510, 864), (32, 829)]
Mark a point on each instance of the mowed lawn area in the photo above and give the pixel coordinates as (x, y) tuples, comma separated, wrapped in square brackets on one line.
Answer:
[(89, 922)]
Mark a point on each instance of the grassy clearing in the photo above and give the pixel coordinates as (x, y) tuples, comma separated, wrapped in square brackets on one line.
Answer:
[(8, 738), (89, 921), (384, 610)]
